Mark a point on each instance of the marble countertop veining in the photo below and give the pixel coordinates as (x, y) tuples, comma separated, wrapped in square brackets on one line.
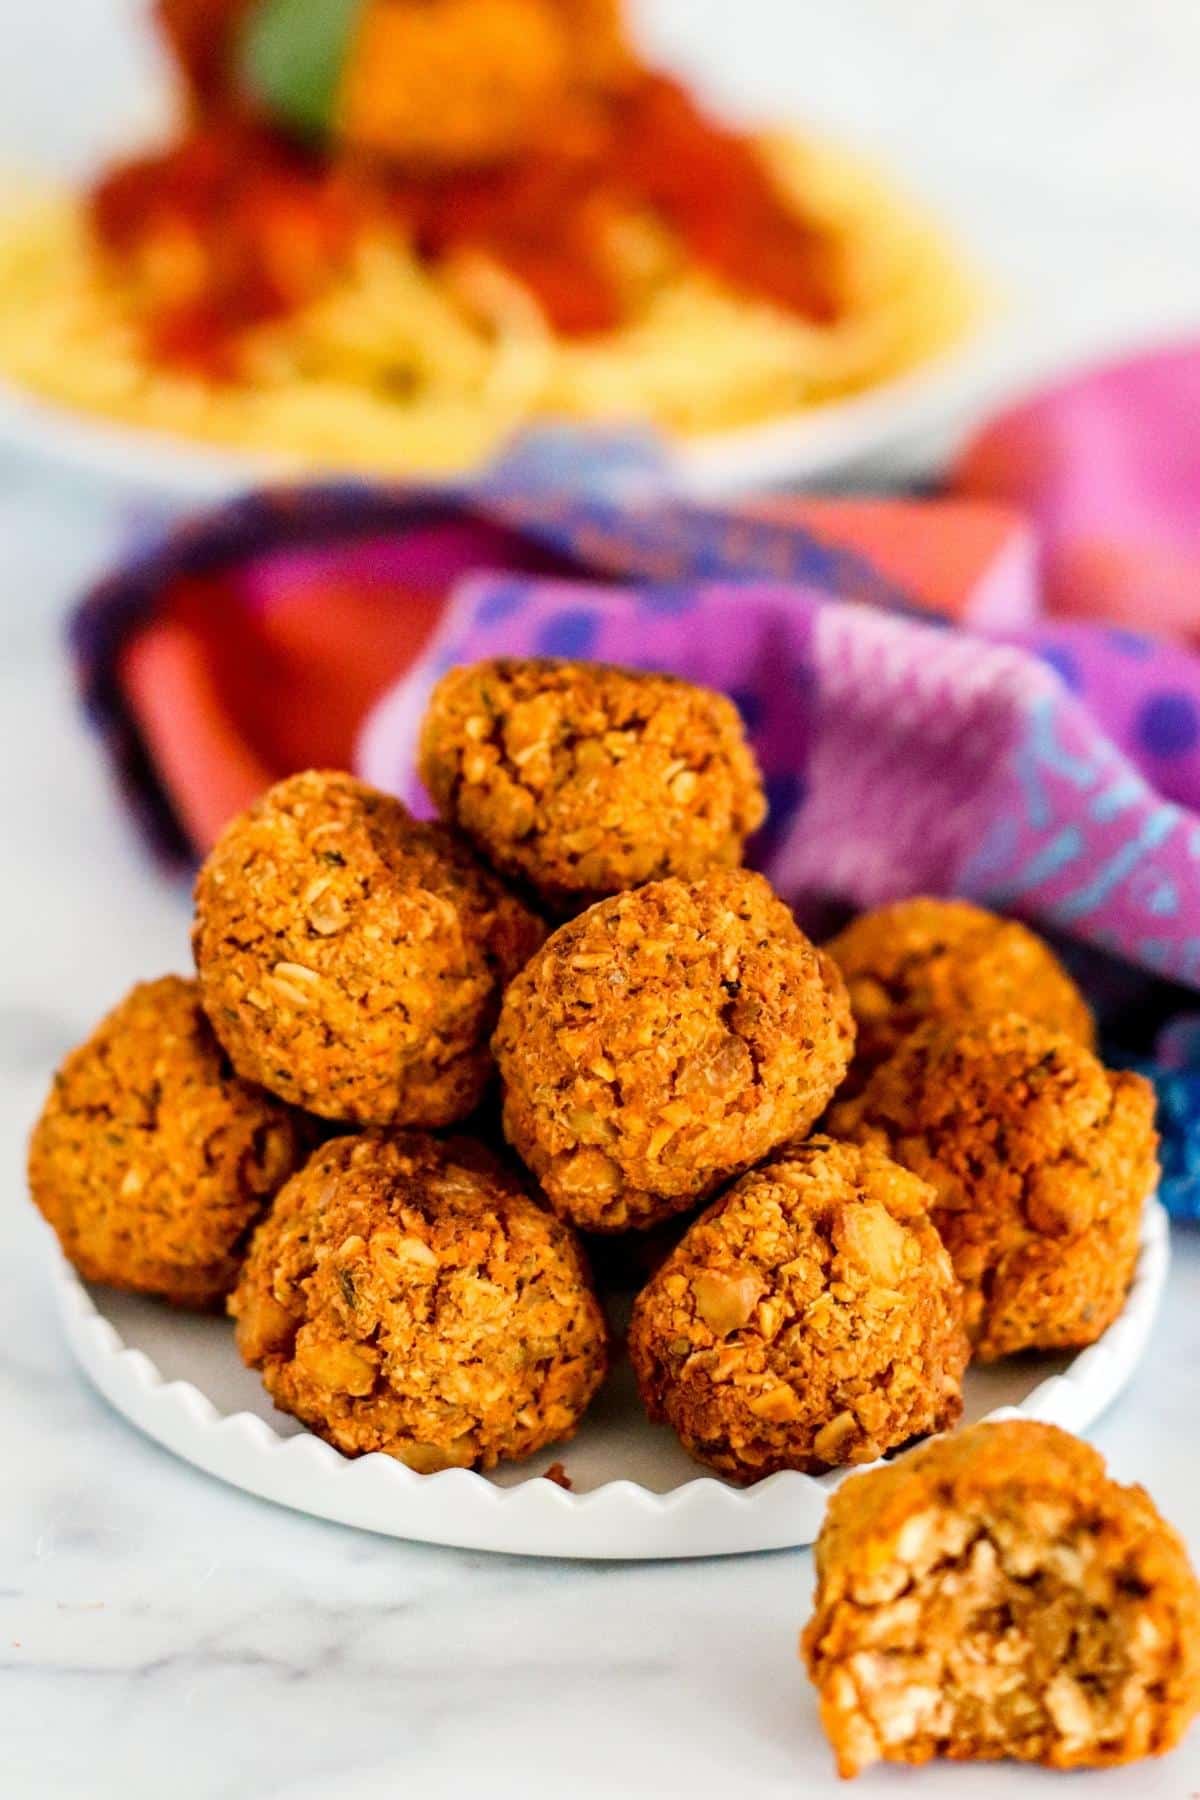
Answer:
[(162, 1633)]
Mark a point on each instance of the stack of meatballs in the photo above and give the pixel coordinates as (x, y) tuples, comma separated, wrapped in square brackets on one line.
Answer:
[(309, 1132)]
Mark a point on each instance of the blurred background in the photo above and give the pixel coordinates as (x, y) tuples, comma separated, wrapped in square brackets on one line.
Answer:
[(1061, 141)]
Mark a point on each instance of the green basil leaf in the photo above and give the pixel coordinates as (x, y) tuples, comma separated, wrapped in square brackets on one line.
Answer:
[(291, 56)]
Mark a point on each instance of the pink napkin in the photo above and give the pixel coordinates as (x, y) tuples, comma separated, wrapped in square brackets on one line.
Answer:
[(1106, 467)]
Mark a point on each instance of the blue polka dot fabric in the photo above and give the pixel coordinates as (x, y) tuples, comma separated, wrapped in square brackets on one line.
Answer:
[(1178, 1092), (570, 634), (1167, 724)]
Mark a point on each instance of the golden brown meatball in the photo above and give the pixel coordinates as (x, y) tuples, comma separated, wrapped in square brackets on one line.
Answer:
[(451, 83), (351, 959), (1041, 1159), (405, 1295), (935, 959), (809, 1317), (995, 1594), (151, 1159), (584, 780), (664, 1041)]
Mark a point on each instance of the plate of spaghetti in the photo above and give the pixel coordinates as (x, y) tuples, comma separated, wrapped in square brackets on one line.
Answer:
[(387, 235)]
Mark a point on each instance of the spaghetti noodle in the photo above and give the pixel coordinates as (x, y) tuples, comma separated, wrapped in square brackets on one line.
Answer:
[(331, 308)]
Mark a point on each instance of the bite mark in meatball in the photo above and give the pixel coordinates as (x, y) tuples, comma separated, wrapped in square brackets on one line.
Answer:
[(995, 1594)]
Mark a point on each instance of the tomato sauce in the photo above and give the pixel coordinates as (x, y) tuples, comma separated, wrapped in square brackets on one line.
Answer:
[(262, 225)]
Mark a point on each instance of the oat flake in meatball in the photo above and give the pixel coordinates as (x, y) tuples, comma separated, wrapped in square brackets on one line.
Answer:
[(995, 1594), (405, 1295), (1041, 1160), (152, 1160), (352, 959), (664, 1041), (810, 1317), (583, 780), (936, 959)]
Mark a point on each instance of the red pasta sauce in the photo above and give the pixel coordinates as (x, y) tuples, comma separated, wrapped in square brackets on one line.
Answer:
[(261, 224)]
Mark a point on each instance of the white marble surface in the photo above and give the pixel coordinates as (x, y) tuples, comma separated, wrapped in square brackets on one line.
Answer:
[(161, 1634)]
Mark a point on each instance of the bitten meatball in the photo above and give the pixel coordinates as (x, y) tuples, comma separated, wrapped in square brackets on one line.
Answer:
[(664, 1041), (809, 1317), (405, 1295), (151, 1159), (994, 1595), (351, 959), (1041, 1160), (583, 780), (936, 959)]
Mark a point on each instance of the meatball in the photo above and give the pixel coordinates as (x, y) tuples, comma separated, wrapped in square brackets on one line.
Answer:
[(810, 1317), (664, 1041), (1041, 1160), (405, 1295), (351, 959), (151, 1159), (475, 82), (583, 780), (936, 959), (996, 1594)]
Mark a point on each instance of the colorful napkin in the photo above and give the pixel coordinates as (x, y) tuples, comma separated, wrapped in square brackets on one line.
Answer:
[(932, 712), (1106, 468)]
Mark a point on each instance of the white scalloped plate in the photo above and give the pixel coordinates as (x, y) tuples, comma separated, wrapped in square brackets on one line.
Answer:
[(636, 1495)]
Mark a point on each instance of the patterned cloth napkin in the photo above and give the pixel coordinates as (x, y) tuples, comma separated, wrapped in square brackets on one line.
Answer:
[(937, 690)]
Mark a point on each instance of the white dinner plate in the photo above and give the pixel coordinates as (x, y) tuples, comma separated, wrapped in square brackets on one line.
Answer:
[(795, 448), (178, 1378)]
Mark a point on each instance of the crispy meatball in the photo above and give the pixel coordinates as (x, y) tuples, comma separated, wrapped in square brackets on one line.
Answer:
[(405, 1295), (351, 959), (1041, 1160), (664, 1041), (995, 1594), (809, 1317), (583, 780), (151, 1159), (936, 959)]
